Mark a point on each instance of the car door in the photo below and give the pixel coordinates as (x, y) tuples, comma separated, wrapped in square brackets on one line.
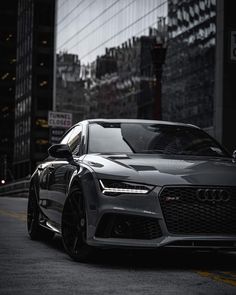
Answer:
[(59, 176), (43, 173)]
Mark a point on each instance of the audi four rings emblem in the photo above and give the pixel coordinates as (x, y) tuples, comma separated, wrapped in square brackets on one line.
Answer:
[(213, 195)]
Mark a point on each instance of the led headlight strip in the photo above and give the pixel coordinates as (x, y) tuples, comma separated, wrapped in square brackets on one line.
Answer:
[(106, 190)]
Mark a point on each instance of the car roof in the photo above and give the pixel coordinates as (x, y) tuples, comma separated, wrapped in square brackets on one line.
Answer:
[(137, 121)]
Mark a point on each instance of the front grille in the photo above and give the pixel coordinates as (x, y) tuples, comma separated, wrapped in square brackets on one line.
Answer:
[(188, 211), (128, 227)]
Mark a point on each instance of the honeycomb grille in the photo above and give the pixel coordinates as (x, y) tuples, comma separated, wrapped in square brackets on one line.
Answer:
[(128, 227), (185, 213)]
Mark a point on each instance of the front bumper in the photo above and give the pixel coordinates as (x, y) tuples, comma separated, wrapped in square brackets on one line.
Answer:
[(143, 206)]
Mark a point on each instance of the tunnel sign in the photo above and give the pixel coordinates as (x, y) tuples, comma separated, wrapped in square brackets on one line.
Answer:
[(233, 46), (59, 119)]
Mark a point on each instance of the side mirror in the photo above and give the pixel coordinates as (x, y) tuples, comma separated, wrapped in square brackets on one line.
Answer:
[(234, 155), (60, 151)]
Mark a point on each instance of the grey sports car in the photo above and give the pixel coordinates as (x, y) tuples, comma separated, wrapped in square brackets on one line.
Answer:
[(134, 183)]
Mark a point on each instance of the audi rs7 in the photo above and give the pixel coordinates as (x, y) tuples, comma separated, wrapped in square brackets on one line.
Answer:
[(134, 183)]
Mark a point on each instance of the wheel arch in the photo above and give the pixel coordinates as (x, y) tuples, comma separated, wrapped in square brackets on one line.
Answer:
[(75, 181), (84, 179), (78, 177)]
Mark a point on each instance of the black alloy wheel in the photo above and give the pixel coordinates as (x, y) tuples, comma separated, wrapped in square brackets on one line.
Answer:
[(36, 232), (74, 227)]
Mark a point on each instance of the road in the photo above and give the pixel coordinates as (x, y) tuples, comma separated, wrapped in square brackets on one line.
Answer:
[(32, 267)]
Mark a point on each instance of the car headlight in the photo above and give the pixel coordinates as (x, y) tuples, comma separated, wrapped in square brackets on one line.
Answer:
[(116, 187)]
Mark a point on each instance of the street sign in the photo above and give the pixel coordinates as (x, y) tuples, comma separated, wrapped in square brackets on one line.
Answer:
[(233, 45), (59, 119), (56, 134)]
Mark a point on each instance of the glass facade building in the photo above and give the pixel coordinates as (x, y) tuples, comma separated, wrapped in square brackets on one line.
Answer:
[(125, 82), (116, 42), (189, 71), (87, 27), (101, 33)]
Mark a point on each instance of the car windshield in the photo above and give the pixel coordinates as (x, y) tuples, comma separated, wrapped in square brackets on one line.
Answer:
[(151, 139)]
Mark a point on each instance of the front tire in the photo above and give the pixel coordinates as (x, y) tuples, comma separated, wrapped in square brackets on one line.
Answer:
[(74, 227), (36, 232)]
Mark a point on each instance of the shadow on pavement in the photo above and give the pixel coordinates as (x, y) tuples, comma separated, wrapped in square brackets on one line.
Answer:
[(168, 259)]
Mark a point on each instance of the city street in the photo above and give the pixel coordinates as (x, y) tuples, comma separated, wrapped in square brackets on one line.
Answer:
[(35, 267)]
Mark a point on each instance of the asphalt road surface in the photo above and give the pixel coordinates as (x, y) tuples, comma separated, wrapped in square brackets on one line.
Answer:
[(30, 267)]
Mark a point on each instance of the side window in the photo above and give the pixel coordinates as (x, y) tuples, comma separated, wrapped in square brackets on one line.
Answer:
[(66, 137), (75, 139)]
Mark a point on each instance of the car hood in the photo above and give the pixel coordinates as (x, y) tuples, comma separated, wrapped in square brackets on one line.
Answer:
[(164, 169)]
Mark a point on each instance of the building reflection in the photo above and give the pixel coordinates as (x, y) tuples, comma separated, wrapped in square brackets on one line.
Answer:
[(125, 82), (188, 79), (70, 87), (166, 72)]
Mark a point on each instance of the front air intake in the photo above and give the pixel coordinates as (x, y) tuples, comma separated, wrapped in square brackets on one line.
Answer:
[(126, 226), (199, 210)]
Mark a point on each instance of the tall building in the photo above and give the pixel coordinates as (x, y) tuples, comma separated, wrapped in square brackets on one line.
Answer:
[(8, 35), (189, 71), (34, 83)]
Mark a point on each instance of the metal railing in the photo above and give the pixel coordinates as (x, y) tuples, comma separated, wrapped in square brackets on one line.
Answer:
[(18, 188)]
